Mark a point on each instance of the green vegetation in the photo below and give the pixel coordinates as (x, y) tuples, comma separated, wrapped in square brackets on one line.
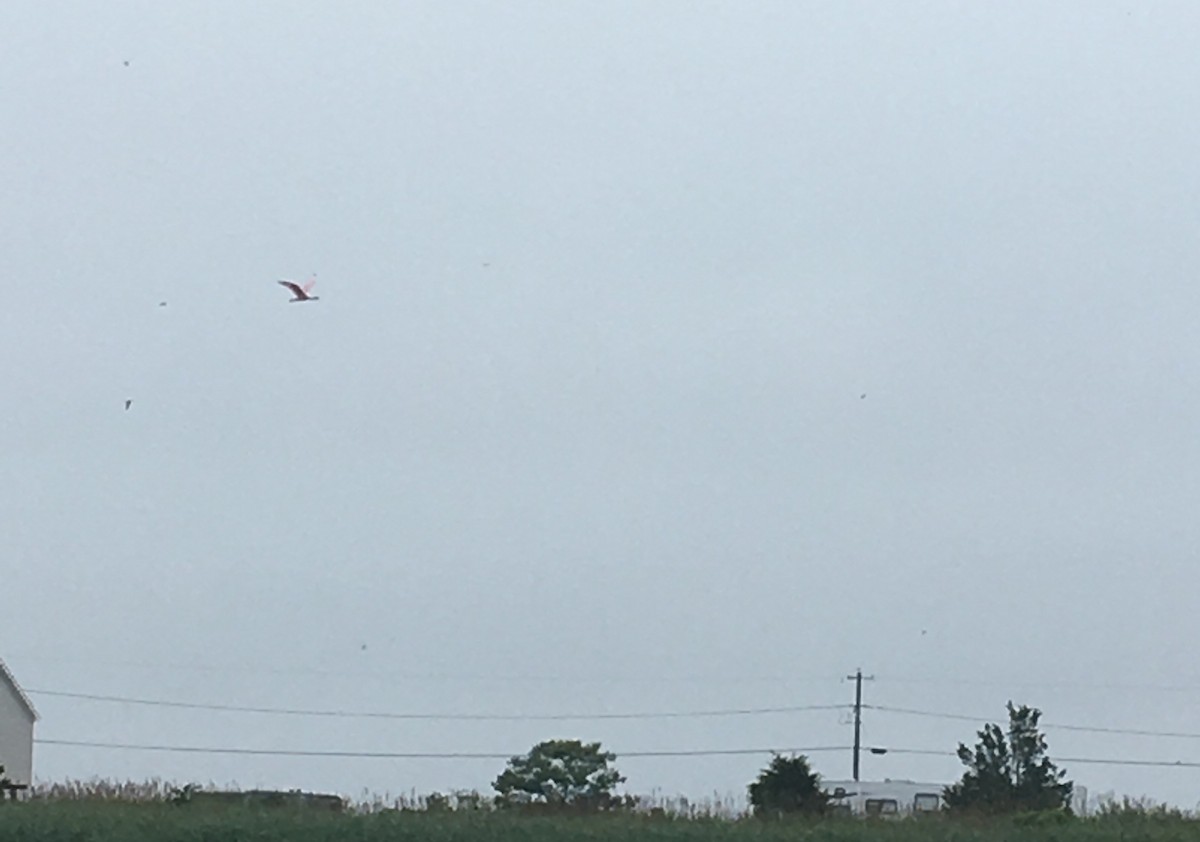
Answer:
[(563, 791), (1009, 773), (83, 821), (560, 772), (788, 786)]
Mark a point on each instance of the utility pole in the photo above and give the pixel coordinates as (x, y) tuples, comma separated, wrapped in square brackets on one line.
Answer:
[(858, 680)]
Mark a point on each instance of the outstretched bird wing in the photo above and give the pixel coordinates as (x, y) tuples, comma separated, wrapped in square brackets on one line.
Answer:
[(310, 283), (294, 287)]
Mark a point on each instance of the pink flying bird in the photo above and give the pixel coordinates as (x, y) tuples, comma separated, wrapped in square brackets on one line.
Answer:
[(301, 292)]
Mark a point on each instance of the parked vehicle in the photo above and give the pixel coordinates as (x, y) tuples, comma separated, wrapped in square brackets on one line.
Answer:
[(884, 799)]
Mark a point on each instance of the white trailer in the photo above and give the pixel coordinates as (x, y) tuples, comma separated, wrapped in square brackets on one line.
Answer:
[(888, 798), (884, 799)]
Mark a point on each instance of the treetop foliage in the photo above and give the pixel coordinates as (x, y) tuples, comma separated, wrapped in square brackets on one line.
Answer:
[(563, 772), (1009, 771), (788, 785)]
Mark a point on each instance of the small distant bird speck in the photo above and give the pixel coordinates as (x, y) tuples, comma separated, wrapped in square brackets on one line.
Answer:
[(863, 396), (364, 647), (128, 403), (301, 292), (126, 63), (162, 304)]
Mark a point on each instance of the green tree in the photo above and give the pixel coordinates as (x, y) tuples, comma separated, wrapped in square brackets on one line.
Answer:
[(560, 772), (1010, 772), (788, 785)]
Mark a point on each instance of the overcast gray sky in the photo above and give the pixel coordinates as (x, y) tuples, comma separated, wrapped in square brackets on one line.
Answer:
[(670, 357)]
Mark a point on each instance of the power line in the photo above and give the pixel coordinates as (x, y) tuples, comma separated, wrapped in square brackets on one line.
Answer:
[(562, 717), (479, 717), (1138, 732), (411, 675), (1046, 685), (1184, 764), (388, 755), (277, 752), (1104, 761)]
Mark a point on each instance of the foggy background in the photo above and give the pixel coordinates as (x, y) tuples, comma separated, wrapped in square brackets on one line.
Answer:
[(671, 357)]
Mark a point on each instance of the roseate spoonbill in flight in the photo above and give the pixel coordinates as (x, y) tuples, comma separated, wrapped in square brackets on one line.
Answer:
[(301, 292)]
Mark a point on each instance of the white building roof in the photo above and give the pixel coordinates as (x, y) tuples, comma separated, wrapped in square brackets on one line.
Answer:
[(7, 677)]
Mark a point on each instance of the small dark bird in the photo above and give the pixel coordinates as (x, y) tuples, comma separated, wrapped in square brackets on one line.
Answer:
[(162, 304), (128, 403), (863, 396), (301, 292), (127, 64)]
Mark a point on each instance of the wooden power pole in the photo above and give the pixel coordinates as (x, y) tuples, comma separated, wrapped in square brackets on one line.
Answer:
[(858, 680)]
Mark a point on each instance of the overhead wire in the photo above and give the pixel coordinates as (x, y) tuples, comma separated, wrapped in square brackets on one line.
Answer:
[(1098, 729), (398, 755), (481, 717), (1106, 761), (573, 716), (1044, 685), (416, 675), (596, 716), (405, 755)]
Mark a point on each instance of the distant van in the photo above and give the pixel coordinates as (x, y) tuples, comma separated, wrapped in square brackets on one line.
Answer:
[(884, 799)]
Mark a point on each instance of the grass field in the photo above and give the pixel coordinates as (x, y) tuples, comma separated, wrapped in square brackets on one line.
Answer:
[(66, 821)]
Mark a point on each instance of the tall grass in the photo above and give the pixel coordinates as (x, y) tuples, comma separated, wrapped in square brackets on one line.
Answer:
[(98, 789), (75, 821), (98, 811), (155, 790)]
